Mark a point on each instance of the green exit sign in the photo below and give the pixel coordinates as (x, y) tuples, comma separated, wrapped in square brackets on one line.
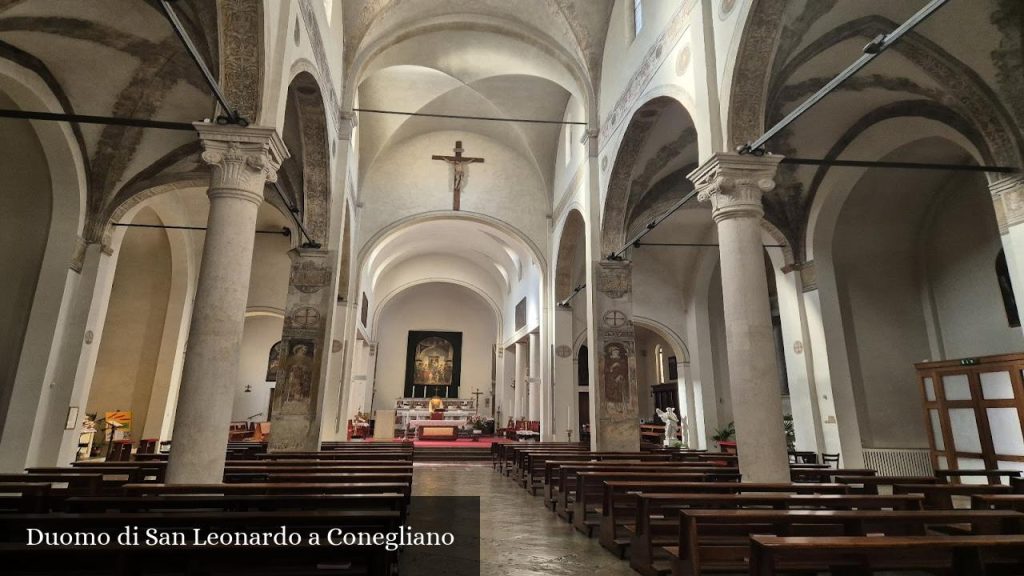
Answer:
[(968, 361)]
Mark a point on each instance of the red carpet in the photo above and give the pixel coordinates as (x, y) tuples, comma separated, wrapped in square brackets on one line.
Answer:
[(461, 443)]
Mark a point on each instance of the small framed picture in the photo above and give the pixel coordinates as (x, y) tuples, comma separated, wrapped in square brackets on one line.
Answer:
[(72, 421)]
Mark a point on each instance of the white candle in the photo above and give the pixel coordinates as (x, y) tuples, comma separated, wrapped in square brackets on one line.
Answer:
[(568, 416)]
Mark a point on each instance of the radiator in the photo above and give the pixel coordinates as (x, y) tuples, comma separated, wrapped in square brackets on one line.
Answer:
[(898, 461)]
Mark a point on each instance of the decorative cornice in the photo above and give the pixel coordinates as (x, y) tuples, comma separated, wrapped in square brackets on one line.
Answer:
[(78, 254), (242, 159), (734, 184), (1008, 198), (650, 64), (316, 42)]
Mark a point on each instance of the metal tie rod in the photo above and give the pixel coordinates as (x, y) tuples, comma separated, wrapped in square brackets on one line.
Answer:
[(295, 216), (233, 116), (871, 51), (284, 231), (654, 223), (86, 119), (463, 117)]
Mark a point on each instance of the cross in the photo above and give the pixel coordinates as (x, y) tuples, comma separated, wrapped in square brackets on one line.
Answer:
[(457, 163), (476, 398)]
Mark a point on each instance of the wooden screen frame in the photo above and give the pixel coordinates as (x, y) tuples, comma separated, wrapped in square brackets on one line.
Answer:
[(971, 368)]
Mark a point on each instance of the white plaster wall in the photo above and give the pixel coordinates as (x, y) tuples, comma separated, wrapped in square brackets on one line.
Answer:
[(961, 261), (878, 286), (529, 288), (25, 204), (261, 332), (271, 266), (404, 181), (134, 329), (441, 307)]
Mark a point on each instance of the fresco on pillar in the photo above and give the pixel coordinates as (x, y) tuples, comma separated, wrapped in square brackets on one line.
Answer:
[(617, 363), (297, 377)]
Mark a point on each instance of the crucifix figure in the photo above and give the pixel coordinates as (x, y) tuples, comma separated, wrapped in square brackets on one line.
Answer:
[(476, 399), (458, 161)]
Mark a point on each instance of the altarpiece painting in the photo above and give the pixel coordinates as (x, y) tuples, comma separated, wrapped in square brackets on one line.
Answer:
[(433, 364)]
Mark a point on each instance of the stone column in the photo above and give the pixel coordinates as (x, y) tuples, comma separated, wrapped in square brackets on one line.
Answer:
[(615, 397), (564, 409), (522, 381), (535, 377), (298, 396), (733, 184), (242, 160), (1008, 200)]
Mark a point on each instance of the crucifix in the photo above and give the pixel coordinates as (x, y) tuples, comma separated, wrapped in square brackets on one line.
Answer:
[(476, 399), (458, 161)]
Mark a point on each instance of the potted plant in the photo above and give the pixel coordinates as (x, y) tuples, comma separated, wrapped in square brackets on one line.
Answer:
[(725, 437)]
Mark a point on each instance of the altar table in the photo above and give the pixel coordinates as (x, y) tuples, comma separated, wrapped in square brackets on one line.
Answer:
[(437, 429)]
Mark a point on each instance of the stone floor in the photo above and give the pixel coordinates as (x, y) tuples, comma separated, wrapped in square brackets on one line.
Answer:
[(519, 536)]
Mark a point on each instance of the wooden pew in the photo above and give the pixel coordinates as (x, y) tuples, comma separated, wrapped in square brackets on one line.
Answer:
[(870, 484), (857, 555), (993, 476), (535, 476), (29, 497), (76, 484), (567, 486), (827, 474), (239, 502), (589, 490), (997, 502), (559, 473), (134, 472), (655, 521), (271, 488), (940, 496), (718, 540)]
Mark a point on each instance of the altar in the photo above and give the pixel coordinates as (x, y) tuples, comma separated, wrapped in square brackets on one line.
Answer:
[(437, 429), (408, 411)]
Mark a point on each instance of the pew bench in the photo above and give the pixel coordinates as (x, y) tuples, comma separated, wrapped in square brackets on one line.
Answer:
[(719, 540), (993, 476), (656, 518), (589, 492), (863, 555), (940, 496), (563, 484), (25, 497), (870, 484)]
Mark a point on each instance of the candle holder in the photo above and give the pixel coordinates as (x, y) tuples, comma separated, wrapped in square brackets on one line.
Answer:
[(568, 433)]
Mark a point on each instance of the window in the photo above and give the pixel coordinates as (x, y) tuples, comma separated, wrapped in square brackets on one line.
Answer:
[(1006, 289), (638, 17), (659, 357)]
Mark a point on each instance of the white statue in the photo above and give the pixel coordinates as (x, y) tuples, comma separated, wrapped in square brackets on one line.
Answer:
[(668, 416)]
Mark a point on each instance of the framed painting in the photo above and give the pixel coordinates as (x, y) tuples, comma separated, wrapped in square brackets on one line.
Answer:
[(274, 361), (433, 364)]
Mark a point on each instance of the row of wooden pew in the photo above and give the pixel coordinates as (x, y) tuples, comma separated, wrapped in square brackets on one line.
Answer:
[(687, 513), (355, 488)]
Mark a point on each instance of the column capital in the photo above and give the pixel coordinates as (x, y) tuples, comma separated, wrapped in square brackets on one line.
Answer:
[(242, 159), (347, 124), (733, 183), (1008, 198), (590, 139)]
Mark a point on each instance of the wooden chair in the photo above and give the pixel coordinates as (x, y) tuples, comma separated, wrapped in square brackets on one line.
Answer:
[(830, 459)]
